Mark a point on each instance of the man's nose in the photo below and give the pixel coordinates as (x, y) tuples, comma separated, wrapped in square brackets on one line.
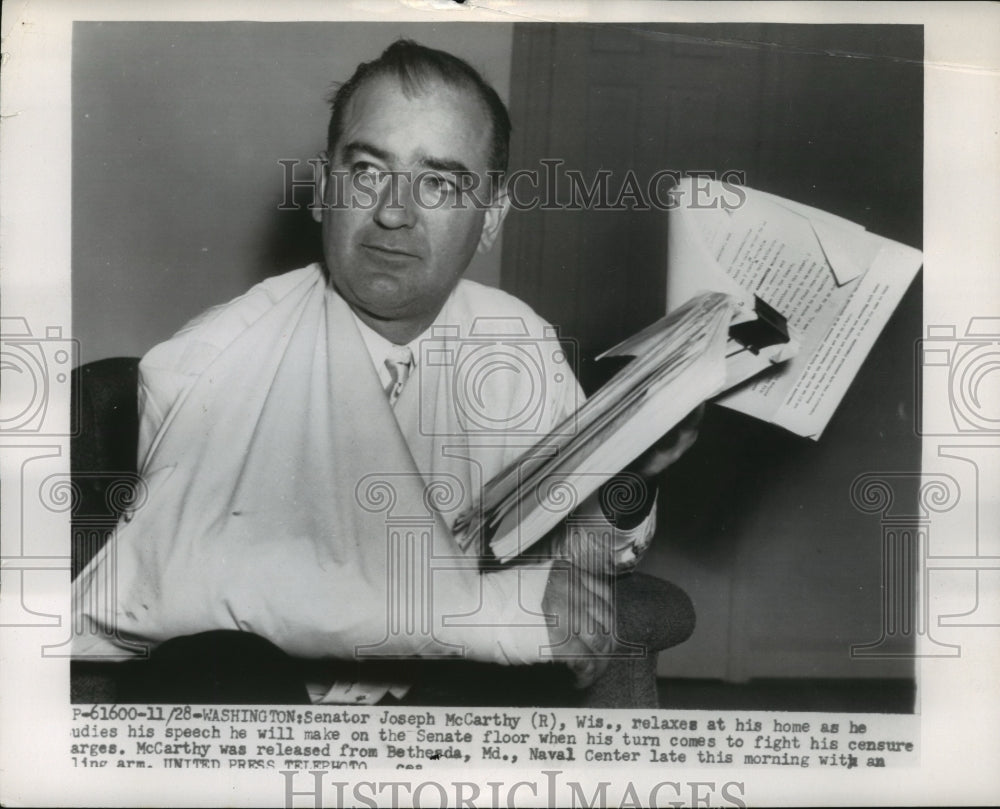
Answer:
[(396, 206)]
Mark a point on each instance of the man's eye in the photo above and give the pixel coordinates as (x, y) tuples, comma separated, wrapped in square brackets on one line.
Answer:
[(364, 167), (438, 183)]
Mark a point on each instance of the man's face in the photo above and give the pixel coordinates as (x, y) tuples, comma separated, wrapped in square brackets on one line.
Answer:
[(397, 233)]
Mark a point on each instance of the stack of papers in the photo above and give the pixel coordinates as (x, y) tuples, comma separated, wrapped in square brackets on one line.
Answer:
[(679, 362)]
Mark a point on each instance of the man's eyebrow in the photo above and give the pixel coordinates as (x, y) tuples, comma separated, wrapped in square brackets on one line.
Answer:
[(444, 165), (358, 146)]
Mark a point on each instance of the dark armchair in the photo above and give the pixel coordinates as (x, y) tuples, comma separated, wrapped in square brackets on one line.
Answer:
[(651, 614)]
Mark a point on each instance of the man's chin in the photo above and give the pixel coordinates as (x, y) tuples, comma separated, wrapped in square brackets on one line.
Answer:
[(386, 302), (384, 307), (380, 296)]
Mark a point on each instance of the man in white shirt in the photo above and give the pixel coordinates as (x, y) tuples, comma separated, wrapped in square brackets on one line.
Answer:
[(278, 459)]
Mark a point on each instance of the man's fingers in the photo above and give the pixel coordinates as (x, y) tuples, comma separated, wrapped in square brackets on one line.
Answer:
[(685, 439), (668, 451), (670, 447)]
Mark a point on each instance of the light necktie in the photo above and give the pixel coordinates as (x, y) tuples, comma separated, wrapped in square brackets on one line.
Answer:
[(399, 362)]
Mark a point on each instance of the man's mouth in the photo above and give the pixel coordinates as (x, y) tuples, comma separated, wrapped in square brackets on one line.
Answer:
[(389, 252)]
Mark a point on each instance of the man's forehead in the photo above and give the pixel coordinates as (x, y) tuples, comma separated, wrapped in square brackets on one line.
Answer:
[(425, 117)]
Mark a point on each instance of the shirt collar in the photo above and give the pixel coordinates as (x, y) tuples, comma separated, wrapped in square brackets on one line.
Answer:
[(380, 349)]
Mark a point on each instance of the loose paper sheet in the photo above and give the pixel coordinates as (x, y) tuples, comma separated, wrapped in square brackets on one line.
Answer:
[(835, 283)]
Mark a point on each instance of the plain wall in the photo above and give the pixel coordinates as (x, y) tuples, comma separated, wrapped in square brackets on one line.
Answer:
[(177, 133)]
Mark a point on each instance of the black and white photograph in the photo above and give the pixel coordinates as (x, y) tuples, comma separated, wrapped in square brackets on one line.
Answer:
[(573, 406)]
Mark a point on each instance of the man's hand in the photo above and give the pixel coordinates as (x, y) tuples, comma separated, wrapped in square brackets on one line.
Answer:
[(671, 447), (581, 613), (626, 499)]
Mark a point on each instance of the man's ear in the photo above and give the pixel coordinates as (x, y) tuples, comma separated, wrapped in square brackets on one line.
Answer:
[(495, 214), (324, 169)]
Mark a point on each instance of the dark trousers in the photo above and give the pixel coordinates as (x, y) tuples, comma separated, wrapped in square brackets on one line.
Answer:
[(229, 667), (213, 668)]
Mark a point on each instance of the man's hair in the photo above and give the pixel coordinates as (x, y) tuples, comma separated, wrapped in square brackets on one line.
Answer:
[(413, 65)]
